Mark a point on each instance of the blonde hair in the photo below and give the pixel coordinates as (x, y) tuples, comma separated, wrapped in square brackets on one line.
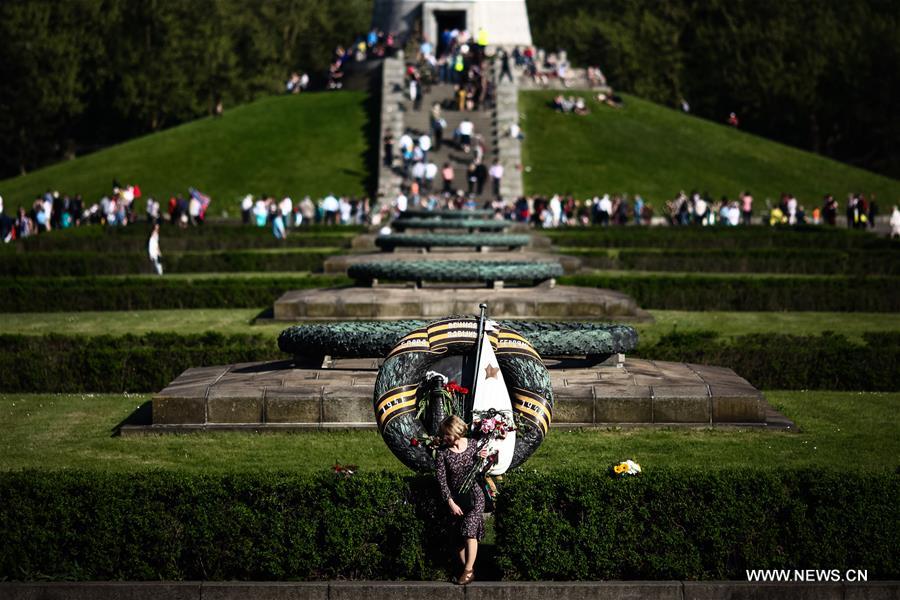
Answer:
[(453, 426)]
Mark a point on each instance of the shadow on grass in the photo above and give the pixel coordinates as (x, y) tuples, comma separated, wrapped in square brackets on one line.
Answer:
[(142, 416)]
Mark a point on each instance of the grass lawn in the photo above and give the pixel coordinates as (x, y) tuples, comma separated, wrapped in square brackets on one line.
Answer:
[(310, 144), (656, 151), (74, 431), (240, 320)]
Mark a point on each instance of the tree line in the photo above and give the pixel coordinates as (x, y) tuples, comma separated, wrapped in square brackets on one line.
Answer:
[(818, 75), (81, 74)]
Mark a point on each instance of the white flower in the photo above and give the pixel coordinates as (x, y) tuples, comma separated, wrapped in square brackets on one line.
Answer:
[(435, 375)]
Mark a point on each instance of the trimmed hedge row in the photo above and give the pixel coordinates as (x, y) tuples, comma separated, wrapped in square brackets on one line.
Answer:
[(572, 525), (652, 291), (145, 293), (62, 264), (211, 236), (751, 293), (697, 525), (130, 363), (172, 526), (147, 363), (791, 362), (766, 260), (735, 238)]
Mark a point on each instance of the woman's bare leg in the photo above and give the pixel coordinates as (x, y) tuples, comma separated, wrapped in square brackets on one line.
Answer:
[(462, 554), (471, 553)]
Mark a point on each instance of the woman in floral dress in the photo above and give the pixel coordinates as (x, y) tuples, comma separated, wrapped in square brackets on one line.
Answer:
[(454, 461)]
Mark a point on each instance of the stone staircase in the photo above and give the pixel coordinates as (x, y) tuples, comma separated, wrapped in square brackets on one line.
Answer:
[(419, 121)]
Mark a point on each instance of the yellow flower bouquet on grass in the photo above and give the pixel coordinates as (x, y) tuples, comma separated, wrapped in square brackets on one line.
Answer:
[(626, 468)]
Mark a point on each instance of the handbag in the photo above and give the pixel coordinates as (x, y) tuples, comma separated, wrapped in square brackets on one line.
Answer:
[(466, 502)]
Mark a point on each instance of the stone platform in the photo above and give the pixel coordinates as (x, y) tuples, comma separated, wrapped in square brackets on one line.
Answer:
[(411, 302), (275, 396), (340, 263)]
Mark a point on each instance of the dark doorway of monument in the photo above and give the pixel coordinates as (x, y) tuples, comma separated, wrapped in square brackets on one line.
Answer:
[(447, 20)]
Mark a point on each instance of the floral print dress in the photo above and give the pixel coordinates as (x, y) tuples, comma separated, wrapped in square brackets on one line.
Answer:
[(451, 469)]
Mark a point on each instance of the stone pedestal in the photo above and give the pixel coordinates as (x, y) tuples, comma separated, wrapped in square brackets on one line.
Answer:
[(276, 396), (411, 302)]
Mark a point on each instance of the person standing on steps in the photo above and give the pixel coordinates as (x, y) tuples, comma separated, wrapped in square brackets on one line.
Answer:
[(496, 174), (447, 176), (466, 131), (388, 149), (504, 67), (437, 126)]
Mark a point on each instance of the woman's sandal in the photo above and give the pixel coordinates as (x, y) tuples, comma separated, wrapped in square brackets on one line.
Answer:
[(467, 577)]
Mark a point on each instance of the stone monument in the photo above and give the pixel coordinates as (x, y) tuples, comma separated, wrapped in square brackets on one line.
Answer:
[(504, 21)]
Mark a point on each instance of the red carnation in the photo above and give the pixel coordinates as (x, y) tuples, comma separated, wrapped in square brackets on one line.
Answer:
[(414, 442)]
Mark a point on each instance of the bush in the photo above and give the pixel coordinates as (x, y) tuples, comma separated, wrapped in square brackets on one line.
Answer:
[(571, 525), (172, 526), (791, 362), (750, 292), (47, 264), (145, 293), (780, 260), (724, 238), (652, 291), (696, 525), (211, 236), (147, 363)]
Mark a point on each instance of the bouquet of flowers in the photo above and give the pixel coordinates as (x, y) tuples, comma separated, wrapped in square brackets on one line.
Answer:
[(345, 471), (626, 468), (486, 427)]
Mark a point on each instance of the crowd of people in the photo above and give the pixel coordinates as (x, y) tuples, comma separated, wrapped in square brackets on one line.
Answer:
[(621, 209), (372, 45), (280, 215), (701, 209), (55, 210)]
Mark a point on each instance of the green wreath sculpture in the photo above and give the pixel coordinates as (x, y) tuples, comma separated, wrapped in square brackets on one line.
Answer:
[(401, 384), (471, 224), (428, 240), (447, 214), (455, 270), (367, 339)]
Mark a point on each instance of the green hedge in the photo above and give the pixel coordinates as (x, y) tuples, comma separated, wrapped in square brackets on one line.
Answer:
[(705, 524), (76, 264), (652, 291), (791, 362), (734, 238), (147, 363), (780, 260), (211, 236), (572, 525), (171, 526), (750, 292), (145, 293)]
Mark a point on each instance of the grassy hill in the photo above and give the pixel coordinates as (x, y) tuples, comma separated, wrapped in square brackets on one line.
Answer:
[(284, 145), (655, 151)]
